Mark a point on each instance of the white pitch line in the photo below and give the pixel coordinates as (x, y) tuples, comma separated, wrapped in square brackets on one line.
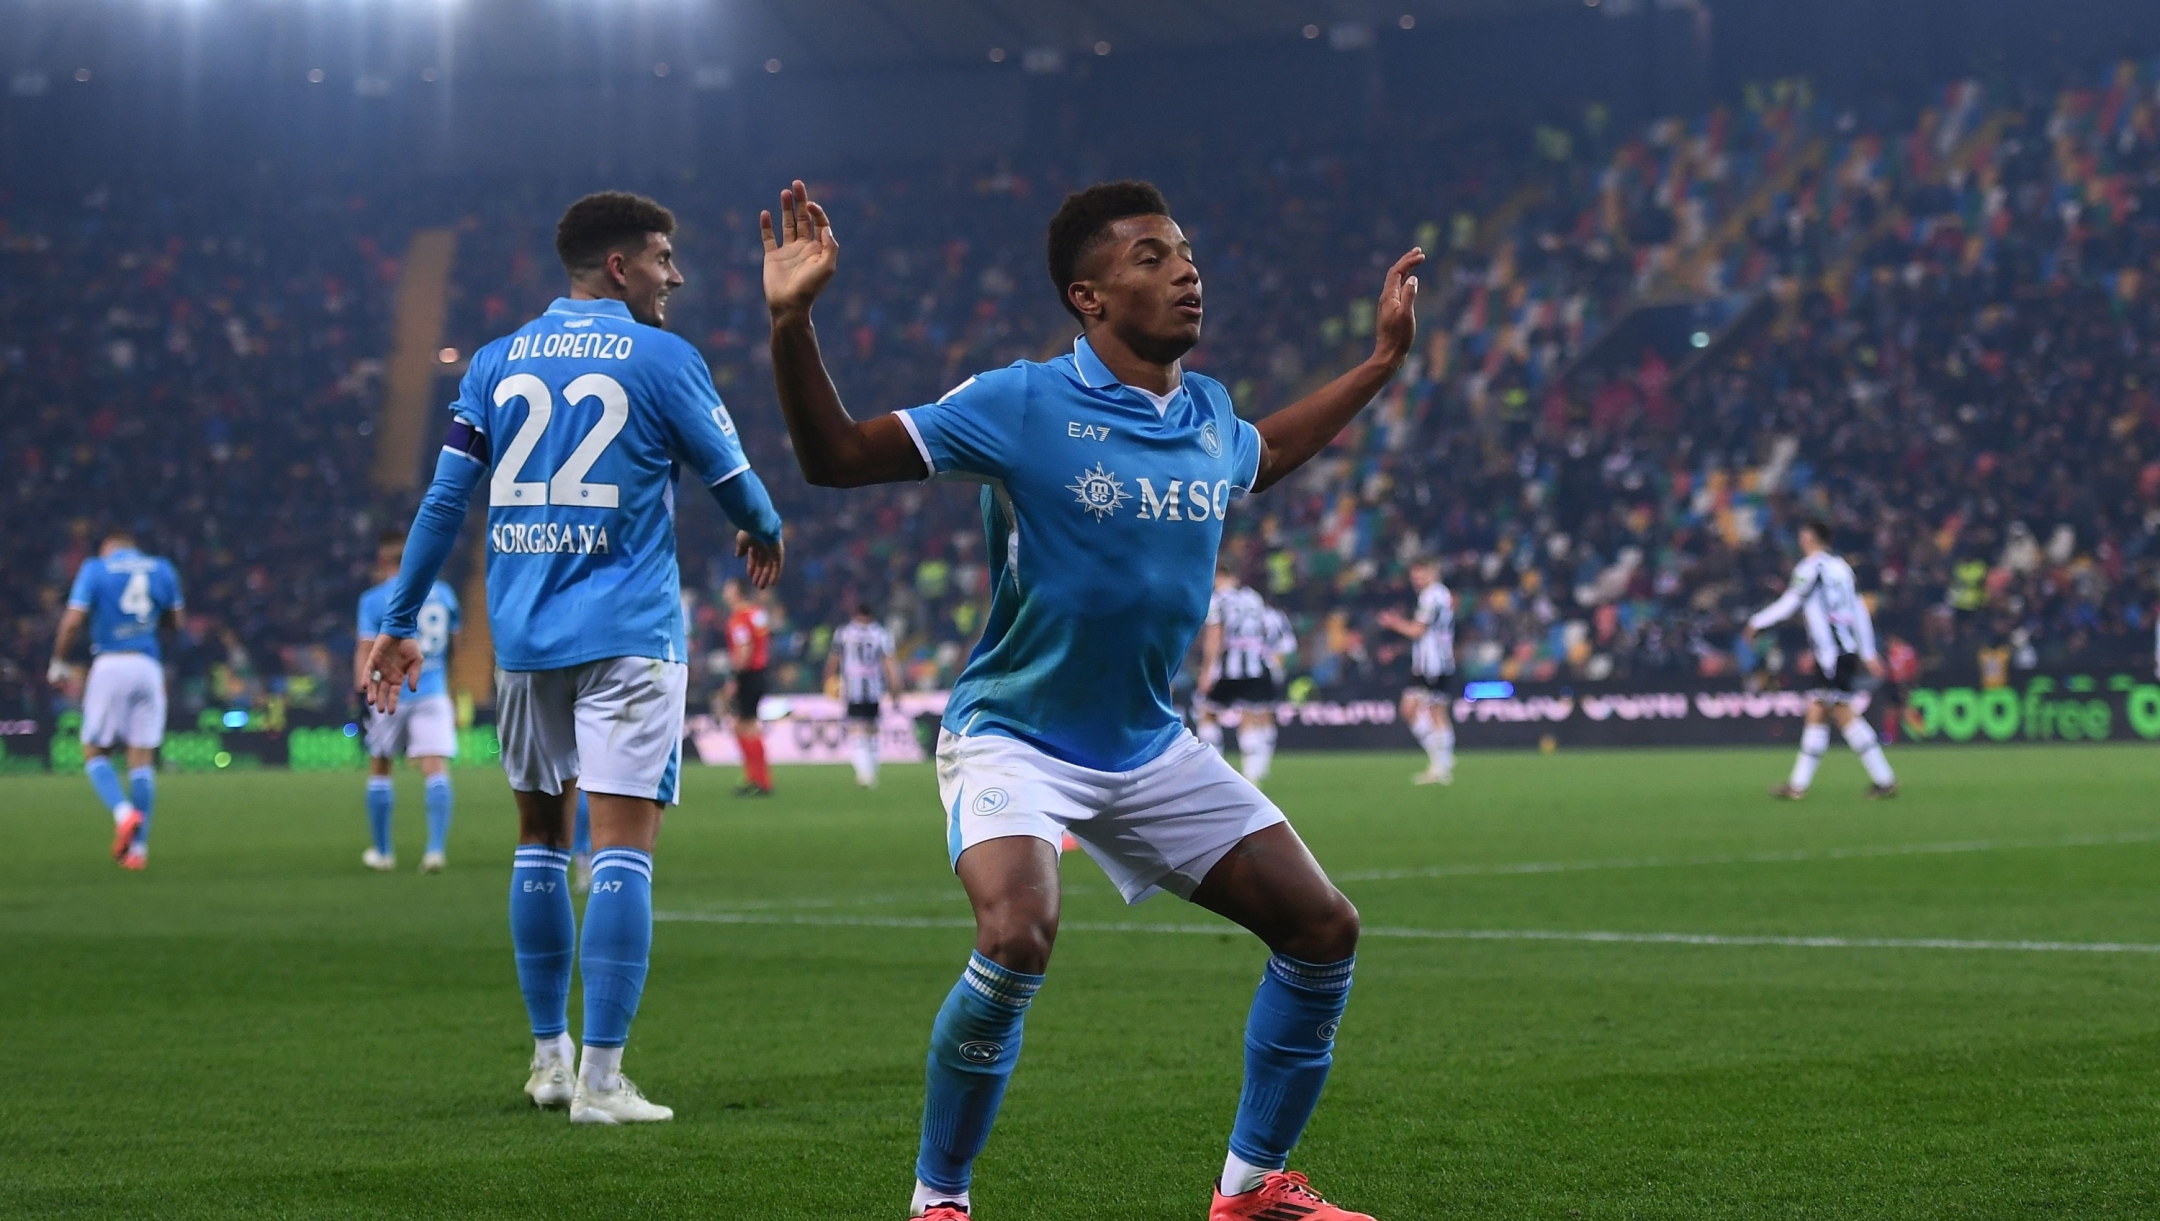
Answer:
[(1451, 934), (1745, 858)]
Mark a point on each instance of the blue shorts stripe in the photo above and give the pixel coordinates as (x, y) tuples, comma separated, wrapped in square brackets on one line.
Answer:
[(671, 779)]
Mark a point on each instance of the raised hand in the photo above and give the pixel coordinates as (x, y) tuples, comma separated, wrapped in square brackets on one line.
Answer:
[(394, 663), (1395, 326), (764, 561), (801, 259)]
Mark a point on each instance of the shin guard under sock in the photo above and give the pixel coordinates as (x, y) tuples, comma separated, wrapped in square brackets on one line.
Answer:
[(543, 934)]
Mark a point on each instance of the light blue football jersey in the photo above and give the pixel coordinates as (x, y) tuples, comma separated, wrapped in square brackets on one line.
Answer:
[(438, 619), (586, 413), (1104, 512), (126, 593)]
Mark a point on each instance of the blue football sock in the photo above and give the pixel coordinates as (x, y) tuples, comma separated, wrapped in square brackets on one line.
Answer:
[(543, 932), (105, 781), (618, 943), (381, 796), (1289, 1045), (142, 790), (973, 1048), (438, 812), (581, 837)]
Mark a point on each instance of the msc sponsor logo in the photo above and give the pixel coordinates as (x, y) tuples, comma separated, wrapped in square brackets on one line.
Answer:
[(1099, 491), (1197, 500), (590, 345), (548, 538), (981, 1051), (991, 801)]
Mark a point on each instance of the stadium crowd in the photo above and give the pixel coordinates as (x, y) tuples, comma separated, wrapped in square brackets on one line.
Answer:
[(1945, 341), (204, 373)]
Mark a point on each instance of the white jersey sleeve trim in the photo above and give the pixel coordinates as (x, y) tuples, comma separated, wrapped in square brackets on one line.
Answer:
[(460, 453), (929, 464), (730, 475)]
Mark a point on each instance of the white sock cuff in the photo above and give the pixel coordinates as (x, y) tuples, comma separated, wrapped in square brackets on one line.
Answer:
[(1240, 1176), (1859, 734), (601, 1065), (441, 780), (628, 859), (926, 1195), (142, 773), (1815, 739), (381, 782)]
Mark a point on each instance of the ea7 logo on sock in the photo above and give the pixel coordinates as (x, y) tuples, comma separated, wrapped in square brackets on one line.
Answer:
[(606, 888), (1328, 1028), (542, 888), (981, 1052)]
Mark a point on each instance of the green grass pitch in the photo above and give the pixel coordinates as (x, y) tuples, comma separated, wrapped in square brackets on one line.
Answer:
[(259, 1028)]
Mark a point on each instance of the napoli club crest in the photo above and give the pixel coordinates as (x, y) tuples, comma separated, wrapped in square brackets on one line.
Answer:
[(1099, 491), (1210, 440)]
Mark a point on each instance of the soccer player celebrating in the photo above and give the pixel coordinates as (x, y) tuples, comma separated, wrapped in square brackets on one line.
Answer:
[(749, 646), (575, 423), (424, 728), (1238, 664), (1109, 471), (124, 597), (1825, 593), (1426, 701), (862, 658)]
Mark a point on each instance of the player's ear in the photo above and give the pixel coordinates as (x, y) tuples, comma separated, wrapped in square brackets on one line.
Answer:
[(1084, 298)]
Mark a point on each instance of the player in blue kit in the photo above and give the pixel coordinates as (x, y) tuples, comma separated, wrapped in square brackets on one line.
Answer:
[(424, 728), (576, 424), (1108, 473), (123, 597)]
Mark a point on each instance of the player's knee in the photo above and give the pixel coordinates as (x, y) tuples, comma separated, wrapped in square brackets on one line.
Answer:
[(1018, 941), (1328, 934)]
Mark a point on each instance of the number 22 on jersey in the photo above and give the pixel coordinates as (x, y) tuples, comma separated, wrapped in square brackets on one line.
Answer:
[(568, 486)]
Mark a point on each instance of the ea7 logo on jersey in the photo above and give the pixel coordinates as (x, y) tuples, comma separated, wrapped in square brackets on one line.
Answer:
[(1099, 491)]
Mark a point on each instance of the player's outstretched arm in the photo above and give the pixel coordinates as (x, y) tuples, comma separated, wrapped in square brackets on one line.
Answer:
[(1401, 626), (71, 626), (833, 449), (395, 660), (1290, 437)]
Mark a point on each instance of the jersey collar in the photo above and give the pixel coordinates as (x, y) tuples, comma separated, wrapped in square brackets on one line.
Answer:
[(586, 309), (1096, 375)]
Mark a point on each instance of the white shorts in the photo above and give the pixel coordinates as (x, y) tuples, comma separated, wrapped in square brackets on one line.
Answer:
[(423, 727), (1162, 825), (124, 702), (613, 726)]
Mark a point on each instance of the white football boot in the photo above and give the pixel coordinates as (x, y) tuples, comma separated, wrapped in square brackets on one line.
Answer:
[(433, 862), (1434, 775), (552, 1083), (623, 1104), (378, 861)]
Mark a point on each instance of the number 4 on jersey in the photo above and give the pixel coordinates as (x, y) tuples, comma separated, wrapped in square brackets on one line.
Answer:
[(135, 599)]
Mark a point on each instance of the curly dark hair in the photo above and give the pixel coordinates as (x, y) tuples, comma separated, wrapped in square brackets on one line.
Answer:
[(604, 222), (1081, 220)]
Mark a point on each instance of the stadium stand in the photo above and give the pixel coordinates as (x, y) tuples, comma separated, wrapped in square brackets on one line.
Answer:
[(1934, 326)]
